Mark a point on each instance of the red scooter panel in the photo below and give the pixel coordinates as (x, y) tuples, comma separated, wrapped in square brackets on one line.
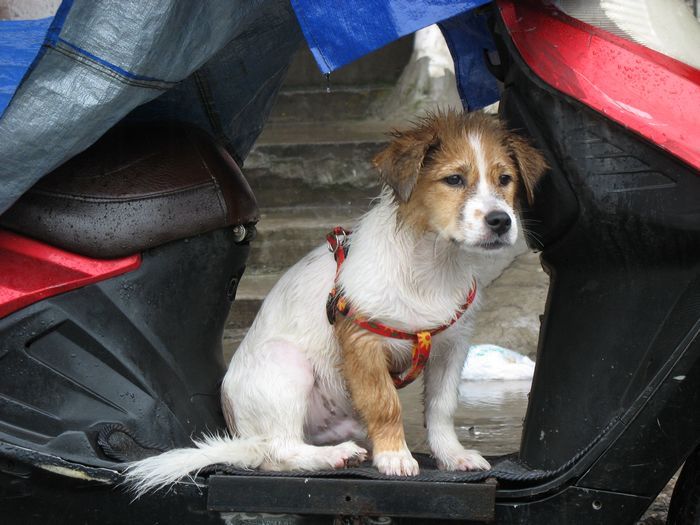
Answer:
[(646, 91), (31, 270)]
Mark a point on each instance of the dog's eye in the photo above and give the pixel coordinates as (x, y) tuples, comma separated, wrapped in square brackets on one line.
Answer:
[(454, 180), (505, 179)]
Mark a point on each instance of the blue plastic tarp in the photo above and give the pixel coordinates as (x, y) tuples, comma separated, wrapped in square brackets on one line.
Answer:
[(341, 32), (217, 64), (20, 42), (469, 40)]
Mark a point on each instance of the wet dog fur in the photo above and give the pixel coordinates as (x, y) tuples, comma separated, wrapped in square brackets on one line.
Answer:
[(300, 394)]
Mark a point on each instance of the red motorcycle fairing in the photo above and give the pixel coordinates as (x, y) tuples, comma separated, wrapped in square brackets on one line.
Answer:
[(642, 89), (31, 271)]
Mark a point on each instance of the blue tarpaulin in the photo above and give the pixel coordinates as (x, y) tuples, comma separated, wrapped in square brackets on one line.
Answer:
[(340, 32), (217, 64), (469, 39), (20, 41)]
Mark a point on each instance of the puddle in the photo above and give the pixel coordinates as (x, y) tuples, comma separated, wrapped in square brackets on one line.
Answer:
[(489, 417)]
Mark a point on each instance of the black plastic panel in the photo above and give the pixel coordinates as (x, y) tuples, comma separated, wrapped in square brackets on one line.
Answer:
[(134, 362), (349, 497), (575, 506), (30, 496), (619, 221)]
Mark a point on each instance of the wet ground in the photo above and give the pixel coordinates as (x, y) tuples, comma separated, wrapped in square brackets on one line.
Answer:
[(489, 418)]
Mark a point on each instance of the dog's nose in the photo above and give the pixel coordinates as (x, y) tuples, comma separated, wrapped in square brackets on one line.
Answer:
[(498, 221)]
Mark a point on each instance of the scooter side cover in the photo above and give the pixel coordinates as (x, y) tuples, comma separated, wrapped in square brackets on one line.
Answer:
[(646, 91), (31, 270)]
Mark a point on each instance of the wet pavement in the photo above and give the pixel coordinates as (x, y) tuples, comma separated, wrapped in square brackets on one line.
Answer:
[(489, 417)]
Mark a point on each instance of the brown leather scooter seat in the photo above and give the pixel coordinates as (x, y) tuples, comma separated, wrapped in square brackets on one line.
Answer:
[(136, 188)]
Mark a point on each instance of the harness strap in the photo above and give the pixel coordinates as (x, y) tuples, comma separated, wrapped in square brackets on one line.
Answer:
[(338, 244)]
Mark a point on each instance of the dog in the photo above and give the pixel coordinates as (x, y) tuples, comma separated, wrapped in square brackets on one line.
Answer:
[(301, 393)]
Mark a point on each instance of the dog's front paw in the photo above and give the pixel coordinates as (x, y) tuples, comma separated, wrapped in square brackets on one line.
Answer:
[(463, 460), (347, 454), (396, 463)]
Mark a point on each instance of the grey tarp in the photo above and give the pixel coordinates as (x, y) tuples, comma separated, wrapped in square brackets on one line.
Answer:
[(216, 63)]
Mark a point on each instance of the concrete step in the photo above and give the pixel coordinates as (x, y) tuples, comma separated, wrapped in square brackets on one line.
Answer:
[(251, 292), (232, 338), (330, 163), (294, 196), (335, 132), (346, 103), (283, 238), (321, 154), (295, 217)]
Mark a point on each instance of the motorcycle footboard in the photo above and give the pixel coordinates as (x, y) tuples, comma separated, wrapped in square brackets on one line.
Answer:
[(351, 497), (432, 495)]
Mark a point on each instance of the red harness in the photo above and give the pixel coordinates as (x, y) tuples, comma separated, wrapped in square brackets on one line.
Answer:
[(338, 244)]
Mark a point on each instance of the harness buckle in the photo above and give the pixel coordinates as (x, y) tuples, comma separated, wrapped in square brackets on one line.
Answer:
[(337, 239)]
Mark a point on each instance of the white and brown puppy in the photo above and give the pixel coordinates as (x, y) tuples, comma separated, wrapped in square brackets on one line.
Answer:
[(299, 392)]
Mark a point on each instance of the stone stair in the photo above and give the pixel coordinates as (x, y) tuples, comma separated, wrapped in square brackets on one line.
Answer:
[(311, 167), (286, 233)]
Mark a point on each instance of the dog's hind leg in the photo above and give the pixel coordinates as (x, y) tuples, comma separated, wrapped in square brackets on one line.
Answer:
[(268, 391)]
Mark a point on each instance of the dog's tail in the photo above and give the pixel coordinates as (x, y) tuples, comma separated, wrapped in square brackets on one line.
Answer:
[(157, 472)]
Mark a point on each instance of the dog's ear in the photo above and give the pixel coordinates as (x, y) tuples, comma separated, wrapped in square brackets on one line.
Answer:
[(531, 163), (399, 164)]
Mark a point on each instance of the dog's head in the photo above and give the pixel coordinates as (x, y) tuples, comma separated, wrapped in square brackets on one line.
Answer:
[(460, 176)]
